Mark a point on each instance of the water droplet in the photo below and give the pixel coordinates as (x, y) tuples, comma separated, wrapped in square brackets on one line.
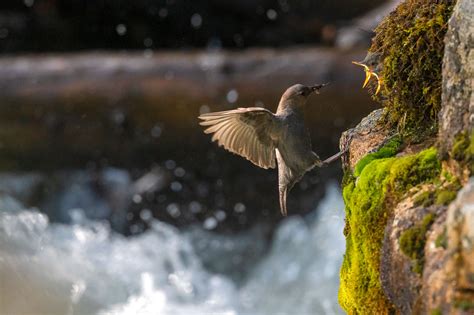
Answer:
[(272, 14), (195, 207), (137, 198), (176, 186), (170, 164), (121, 29), (232, 96), (163, 12), (148, 42), (173, 210), (239, 207), (146, 214), (196, 20), (204, 109), (29, 3), (156, 131), (210, 223), (220, 215), (179, 172), (118, 117)]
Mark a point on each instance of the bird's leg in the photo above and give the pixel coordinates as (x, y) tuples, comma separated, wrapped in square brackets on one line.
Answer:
[(283, 190), (330, 159), (333, 158)]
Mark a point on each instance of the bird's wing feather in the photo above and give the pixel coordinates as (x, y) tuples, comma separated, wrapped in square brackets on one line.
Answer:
[(247, 132)]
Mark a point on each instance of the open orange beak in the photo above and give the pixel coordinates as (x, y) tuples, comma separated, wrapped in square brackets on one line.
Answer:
[(368, 74)]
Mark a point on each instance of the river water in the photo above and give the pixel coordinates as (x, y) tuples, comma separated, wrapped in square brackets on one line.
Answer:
[(85, 268)]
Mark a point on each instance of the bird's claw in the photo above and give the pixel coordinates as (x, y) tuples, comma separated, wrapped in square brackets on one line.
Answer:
[(368, 74)]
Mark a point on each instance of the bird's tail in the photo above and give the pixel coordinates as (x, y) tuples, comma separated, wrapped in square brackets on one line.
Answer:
[(283, 190)]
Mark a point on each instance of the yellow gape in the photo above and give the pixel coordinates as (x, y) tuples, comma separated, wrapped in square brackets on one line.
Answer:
[(368, 74)]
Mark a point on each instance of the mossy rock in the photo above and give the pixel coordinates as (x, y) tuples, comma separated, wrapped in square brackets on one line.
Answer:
[(463, 149), (423, 199), (442, 240), (367, 198), (388, 150), (410, 42), (444, 197), (413, 240)]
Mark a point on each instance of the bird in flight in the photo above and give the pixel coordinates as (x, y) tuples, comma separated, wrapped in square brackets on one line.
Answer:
[(262, 137)]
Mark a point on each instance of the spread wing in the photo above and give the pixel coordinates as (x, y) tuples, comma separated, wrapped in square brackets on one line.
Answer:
[(248, 132)]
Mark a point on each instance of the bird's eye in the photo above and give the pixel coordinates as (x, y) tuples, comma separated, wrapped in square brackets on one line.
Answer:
[(303, 92)]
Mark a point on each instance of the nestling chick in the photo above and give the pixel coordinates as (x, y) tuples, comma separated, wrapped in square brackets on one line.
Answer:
[(372, 66)]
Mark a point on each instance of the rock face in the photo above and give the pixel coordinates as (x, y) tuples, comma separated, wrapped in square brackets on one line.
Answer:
[(457, 114), (414, 215), (448, 282), (367, 136)]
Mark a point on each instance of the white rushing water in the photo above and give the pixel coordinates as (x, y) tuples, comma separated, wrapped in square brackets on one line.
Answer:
[(49, 268)]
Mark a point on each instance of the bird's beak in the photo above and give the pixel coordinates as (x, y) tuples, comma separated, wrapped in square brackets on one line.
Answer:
[(316, 88), (368, 74)]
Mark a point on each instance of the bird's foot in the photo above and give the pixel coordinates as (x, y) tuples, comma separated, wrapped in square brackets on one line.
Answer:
[(332, 158)]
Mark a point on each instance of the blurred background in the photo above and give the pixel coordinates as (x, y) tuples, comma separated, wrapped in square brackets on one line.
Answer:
[(108, 183)]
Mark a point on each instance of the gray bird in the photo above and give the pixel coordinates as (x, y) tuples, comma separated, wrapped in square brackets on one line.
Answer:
[(261, 136)]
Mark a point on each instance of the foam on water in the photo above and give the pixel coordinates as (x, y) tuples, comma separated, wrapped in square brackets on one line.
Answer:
[(85, 268)]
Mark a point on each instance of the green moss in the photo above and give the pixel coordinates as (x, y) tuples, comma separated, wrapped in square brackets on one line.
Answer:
[(464, 305), (444, 197), (412, 242), (442, 240), (424, 199), (463, 149), (381, 181), (388, 150), (436, 311), (411, 43)]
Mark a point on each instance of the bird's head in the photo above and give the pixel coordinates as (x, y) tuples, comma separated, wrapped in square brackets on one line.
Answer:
[(299, 93), (372, 65)]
